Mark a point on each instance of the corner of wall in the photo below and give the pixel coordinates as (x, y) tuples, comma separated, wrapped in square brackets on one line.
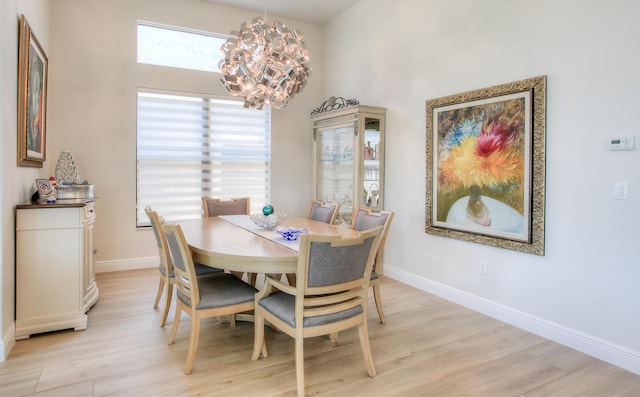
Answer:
[(8, 341)]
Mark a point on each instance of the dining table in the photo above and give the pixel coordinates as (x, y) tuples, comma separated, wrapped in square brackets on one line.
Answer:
[(235, 243)]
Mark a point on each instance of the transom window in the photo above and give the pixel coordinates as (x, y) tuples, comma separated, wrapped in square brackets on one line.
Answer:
[(179, 48)]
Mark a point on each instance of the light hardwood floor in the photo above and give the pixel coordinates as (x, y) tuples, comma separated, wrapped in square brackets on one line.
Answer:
[(429, 347)]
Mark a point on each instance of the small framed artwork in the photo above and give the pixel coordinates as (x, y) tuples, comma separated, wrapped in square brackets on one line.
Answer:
[(46, 191), (32, 98), (485, 153)]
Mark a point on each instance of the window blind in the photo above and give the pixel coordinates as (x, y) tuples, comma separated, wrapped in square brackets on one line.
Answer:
[(191, 146)]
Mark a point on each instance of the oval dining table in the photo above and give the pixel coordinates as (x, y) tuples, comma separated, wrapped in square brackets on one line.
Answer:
[(219, 243)]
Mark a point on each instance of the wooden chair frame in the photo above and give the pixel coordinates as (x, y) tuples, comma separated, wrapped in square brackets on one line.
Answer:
[(377, 266), (165, 266), (317, 211), (313, 301), (225, 207), (187, 285)]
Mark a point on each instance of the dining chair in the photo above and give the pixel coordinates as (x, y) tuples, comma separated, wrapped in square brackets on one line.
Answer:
[(322, 212), (165, 267), (318, 211), (213, 206), (365, 219), (331, 295), (236, 206), (201, 297)]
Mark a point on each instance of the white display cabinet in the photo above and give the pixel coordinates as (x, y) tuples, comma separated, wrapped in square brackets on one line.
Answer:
[(349, 144), (55, 277)]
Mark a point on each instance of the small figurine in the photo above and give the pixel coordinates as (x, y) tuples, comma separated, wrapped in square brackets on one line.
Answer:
[(368, 151)]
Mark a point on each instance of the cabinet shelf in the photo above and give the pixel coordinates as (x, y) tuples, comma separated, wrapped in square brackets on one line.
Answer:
[(335, 180)]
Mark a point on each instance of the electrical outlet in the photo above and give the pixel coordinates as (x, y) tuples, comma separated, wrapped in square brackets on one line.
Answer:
[(483, 267)]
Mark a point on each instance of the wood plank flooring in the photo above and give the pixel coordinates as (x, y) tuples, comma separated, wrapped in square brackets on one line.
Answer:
[(429, 347)]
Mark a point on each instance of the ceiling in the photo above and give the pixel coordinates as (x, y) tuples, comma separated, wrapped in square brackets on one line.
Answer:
[(315, 11)]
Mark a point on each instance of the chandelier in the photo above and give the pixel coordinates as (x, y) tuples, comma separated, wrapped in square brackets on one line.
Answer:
[(264, 64)]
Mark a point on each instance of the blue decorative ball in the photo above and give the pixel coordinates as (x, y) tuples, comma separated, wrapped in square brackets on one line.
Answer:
[(267, 210)]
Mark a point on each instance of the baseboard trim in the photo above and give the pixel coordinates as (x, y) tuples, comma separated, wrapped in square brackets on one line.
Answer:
[(126, 264), (8, 341), (595, 347)]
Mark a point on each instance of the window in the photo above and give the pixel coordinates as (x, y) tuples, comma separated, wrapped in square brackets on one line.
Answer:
[(176, 47), (192, 145)]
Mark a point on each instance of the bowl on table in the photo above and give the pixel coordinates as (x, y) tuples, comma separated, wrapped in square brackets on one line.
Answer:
[(268, 222), (291, 233)]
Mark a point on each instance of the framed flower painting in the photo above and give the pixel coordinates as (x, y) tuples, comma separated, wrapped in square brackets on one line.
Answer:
[(486, 165)]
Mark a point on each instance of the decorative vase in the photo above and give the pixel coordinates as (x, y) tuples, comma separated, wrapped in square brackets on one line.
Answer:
[(66, 171), (477, 211)]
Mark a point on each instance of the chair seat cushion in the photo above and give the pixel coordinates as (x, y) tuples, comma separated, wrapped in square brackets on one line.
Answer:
[(221, 289), (204, 269), (282, 305), (201, 270)]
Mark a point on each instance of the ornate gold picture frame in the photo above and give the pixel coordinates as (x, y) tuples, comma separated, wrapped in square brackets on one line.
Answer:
[(485, 153), (32, 98)]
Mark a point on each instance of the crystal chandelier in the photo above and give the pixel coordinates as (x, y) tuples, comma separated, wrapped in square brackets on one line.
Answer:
[(264, 64)]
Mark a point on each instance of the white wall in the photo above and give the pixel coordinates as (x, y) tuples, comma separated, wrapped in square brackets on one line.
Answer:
[(584, 291), (94, 76), (18, 183)]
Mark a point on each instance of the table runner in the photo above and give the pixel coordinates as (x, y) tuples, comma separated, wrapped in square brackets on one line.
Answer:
[(245, 222)]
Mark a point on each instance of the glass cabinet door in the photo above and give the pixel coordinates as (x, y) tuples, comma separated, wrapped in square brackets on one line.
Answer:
[(335, 168), (349, 157), (371, 166)]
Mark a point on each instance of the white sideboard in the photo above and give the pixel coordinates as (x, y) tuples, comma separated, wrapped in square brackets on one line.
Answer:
[(55, 277)]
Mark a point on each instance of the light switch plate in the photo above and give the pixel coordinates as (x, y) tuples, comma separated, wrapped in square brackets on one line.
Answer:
[(620, 190)]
